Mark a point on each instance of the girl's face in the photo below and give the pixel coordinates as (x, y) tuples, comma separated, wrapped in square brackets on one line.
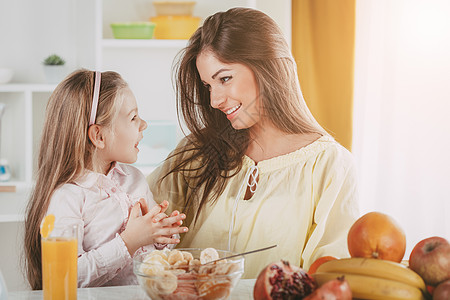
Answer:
[(122, 141), (233, 89)]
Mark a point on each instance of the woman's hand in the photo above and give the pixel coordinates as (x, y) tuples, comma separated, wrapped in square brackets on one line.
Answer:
[(144, 230)]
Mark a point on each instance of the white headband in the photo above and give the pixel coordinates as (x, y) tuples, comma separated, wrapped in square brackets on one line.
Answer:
[(98, 76)]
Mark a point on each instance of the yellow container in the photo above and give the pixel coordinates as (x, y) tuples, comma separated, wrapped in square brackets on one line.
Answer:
[(174, 8), (175, 27)]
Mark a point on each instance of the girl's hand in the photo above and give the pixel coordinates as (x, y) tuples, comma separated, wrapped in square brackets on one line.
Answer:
[(141, 230), (163, 207), (174, 220), (144, 207)]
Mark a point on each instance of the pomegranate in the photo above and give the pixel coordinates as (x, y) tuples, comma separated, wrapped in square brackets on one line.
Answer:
[(281, 280), (336, 289)]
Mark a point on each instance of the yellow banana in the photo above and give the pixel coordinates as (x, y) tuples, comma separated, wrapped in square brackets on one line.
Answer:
[(376, 268), (374, 288)]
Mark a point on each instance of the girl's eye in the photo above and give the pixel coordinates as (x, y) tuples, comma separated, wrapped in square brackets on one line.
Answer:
[(134, 118), (226, 78)]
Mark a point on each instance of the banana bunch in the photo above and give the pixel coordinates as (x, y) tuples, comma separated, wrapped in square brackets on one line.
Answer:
[(371, 278)]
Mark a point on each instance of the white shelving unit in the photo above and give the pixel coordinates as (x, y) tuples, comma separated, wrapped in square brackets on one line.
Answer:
[(24, 110), (145, 64), (21, 126), (151, 44)]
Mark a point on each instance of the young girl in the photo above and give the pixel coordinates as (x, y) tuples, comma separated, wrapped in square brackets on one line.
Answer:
[(92, 123)]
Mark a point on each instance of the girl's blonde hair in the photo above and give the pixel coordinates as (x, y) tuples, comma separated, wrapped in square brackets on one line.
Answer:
[(251, 38), (66, 151)]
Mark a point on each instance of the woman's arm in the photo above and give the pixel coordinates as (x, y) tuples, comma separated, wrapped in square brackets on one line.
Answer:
[(174, 187), (336, 205)]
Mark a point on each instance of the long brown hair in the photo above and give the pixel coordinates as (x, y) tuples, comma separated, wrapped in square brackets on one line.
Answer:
[(249, 37), (65, 150)]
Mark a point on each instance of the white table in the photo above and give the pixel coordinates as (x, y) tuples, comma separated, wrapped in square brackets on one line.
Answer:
[(243, 291)]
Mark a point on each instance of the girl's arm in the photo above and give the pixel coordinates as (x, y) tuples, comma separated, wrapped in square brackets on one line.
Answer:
[(97, 266)]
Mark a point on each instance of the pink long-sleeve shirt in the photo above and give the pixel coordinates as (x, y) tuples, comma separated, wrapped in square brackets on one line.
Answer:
[(100, 206)]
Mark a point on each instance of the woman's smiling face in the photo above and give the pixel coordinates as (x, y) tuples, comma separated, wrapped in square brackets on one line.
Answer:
[(233, 89)]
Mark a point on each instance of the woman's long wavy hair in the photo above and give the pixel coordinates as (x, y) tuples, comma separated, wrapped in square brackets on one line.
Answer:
[(251, 38), (65, 150)]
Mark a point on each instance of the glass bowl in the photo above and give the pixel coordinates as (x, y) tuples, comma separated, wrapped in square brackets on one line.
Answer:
[(180, 274)]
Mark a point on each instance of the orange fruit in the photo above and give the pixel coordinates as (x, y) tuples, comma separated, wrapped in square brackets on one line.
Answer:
[(377, 235), (318, 262), (47, 225)]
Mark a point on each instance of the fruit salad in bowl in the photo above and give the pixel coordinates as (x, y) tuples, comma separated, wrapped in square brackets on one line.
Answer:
[(188, 273)]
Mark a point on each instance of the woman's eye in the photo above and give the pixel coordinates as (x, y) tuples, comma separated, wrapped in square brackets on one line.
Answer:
[(225, 79), (134, 118)]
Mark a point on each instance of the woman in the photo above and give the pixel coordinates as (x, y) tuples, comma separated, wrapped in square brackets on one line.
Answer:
[(257, 169)]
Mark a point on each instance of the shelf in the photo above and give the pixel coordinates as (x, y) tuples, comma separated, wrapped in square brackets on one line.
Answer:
[(25, 87), (14, 186), (11, 218), (152, 43), (17, 183)]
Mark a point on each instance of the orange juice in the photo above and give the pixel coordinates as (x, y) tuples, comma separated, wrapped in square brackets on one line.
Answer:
[(59, 267)]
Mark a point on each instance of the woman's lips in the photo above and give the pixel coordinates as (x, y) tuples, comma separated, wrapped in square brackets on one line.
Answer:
[(231, 113)]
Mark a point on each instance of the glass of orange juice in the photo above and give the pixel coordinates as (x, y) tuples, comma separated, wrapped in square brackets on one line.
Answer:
[(59, 263)]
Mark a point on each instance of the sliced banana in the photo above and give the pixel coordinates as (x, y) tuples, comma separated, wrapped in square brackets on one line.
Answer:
[(207, 255)]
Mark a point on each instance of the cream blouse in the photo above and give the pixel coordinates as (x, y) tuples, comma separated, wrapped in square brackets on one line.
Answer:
[(305, 202)]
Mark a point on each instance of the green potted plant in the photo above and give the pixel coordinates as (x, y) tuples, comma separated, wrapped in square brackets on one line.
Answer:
[(54, 68)]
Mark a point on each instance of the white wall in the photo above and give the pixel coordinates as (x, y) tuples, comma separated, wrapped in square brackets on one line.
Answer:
[(32, 30), (402, 105)]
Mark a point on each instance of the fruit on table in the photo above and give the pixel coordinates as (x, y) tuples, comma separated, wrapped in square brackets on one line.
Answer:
[(371, 287), (318, 262), (430, 258), (377, 235), (336, 289), (371, 278), (281, 280), (376, 268), (176, 274), (442, 291)]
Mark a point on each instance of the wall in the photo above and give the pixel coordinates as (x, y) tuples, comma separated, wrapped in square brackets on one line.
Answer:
[(32, 30), (401, 126)]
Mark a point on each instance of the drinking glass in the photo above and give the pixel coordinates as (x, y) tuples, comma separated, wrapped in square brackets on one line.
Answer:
[(59, 263)]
